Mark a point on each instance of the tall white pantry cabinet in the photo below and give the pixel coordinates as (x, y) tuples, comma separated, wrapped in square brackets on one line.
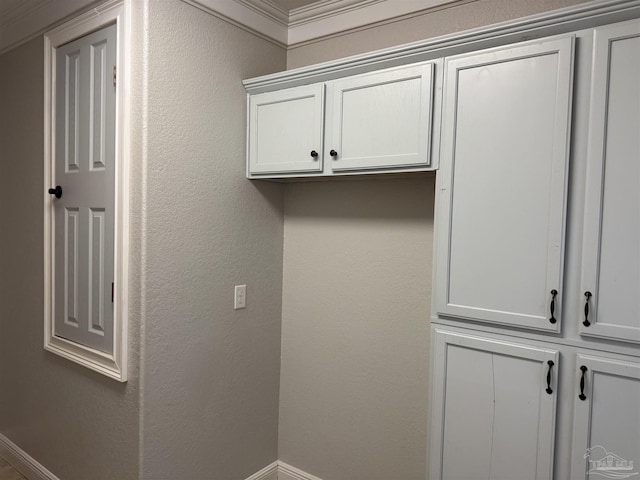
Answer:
[(536, 292), (523, 324)]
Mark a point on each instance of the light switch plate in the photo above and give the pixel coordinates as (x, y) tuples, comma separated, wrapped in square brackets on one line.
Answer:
[(240, 298)]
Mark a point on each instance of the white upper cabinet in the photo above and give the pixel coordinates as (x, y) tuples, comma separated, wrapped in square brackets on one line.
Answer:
[(374, 122), (611, 249), (606, 429), (493, 408), (285, 130), (502, 184), (380, 120)]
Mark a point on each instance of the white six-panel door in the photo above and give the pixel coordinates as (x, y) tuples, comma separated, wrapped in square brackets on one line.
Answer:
[(493, 409), (606, 419), (611, 251), (380, 119), (85, 170), (502, 184)]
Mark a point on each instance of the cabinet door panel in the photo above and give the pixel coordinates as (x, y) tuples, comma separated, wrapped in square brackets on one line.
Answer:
[(380, 120), (285, 127), (606, 441), (491, 415), (502, 184), (611, 253)]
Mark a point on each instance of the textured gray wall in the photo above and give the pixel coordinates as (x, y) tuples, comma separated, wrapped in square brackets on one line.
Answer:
[(72, 420), (210, 374), (355, 331)]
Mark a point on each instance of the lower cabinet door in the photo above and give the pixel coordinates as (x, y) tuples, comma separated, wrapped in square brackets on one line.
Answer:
[(606, 428), (493, 408)]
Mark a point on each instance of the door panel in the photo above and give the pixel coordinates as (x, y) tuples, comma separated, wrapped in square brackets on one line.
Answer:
[(492, 416), (84, 157), (381, 119), (502, 184), (285, 127), (606, 419), (611, 257)]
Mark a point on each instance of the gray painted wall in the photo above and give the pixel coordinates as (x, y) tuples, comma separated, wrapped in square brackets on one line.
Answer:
[(356, 293), (72, 420), (210, 374), (355, 328)]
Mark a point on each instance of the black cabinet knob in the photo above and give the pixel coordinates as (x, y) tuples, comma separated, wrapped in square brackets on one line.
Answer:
[(56, 191), (314, 154), (333, 153)]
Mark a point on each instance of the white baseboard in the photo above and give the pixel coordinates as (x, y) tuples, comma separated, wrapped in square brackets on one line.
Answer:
[(281, 471), (270, 472), (23, 462), (30, 468), (287, 472)]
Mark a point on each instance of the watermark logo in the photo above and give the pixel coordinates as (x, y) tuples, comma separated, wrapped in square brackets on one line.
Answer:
[(608, 464)]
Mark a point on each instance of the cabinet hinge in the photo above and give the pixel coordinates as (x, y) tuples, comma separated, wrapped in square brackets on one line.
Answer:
[(115, 76)]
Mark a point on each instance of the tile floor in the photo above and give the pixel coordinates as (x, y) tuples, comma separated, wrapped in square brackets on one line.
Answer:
[(7, 472)]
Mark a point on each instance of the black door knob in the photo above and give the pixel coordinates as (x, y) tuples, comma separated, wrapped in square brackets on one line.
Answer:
[(56, 191), (314, 154), (333, 153)]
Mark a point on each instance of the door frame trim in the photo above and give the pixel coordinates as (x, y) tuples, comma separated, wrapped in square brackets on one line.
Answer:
[(111, 12)]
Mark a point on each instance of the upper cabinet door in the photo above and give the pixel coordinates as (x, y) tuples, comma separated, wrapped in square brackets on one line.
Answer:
[(380, 120), (502, 184), (606, 428), (611, 251), (285, 130)]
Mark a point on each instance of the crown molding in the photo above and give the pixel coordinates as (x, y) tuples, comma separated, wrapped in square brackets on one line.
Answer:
[(331, 17), (260, 17), (25, 20), (305, 24), (555, 22)]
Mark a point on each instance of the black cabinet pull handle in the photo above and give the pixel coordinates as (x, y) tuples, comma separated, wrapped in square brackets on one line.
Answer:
[(548, 390), (56, 191), (587, 296), (582, 396), (554, 292), (333, 153), (314, 154)]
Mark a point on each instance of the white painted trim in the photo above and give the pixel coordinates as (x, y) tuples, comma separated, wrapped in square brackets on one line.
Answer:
[(311, 22), (114, 365), (288, 472), (33, 18), (270, 472), (261, 17), (23, 462), (586, 15), (279, 470), (330, 17), (287, 29), (250, 15)]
